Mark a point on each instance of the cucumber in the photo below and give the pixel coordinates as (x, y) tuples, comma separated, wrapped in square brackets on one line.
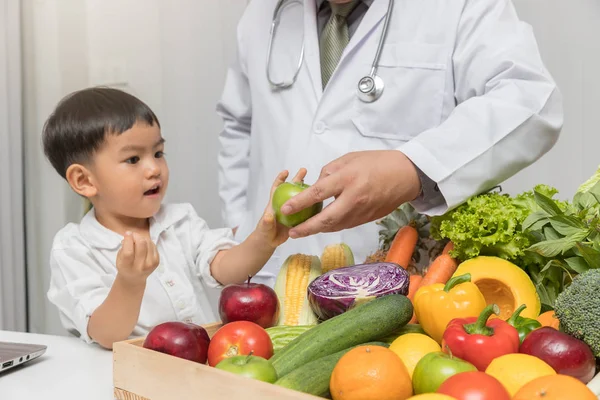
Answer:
[(364, 323), (410, 328), (313, 377), (281, 335)]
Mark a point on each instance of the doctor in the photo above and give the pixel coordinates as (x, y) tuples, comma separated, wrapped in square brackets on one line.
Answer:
[(384, 102)]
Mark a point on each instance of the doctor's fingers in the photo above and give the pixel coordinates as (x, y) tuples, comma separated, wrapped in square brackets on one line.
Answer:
[(323, 189), (337, 164), (333, 218)]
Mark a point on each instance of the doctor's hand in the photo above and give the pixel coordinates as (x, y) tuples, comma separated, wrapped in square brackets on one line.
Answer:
[(268, 229), (367, 185)]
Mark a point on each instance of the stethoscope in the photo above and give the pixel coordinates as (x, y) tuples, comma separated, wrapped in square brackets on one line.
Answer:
[(370, 87)]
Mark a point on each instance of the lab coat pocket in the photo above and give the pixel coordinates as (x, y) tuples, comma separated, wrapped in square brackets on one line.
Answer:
[(414, 75)]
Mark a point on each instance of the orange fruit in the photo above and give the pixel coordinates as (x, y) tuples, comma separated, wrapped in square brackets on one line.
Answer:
[(516, 370), (555, 387), (370, 373), (548, 319), (431, 396)]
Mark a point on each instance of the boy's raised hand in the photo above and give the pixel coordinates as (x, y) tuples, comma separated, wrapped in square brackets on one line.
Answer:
[(272, 232), (137, 258)]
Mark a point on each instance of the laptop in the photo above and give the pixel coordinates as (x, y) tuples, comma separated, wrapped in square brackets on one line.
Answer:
[(13, 354)]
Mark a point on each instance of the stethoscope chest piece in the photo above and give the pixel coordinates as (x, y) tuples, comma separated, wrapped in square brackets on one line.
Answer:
[(370, 88)]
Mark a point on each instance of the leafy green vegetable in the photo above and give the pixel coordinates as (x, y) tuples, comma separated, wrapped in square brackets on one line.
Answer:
[(552, 240), (492, 223), (508, 227)]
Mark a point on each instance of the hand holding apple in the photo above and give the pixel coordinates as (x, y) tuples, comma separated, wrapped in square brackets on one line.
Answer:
[(252, 302), (272, 229)]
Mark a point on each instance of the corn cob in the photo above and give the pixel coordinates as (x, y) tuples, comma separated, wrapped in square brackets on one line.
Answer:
[(292, 281), (336, 256)]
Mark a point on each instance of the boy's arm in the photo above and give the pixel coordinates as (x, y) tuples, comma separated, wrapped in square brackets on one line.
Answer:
[(116, 317), (234, 265), (237, 263)]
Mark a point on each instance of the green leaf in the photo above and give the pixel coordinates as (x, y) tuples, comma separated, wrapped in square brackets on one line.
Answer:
[(553, 271), (551, 248), (591, 256), (548, 265), (547, 293), (534, 218), (554, 247), (577, 264), (538, 226), (595, 191), (547, 204), (566, 225), (584, 200), (551, 234)]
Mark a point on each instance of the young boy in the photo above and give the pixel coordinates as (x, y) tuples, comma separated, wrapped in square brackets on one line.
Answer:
[(133, 262)]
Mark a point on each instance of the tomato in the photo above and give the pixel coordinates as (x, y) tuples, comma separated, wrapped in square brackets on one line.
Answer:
[(473, 385), (239, 338)]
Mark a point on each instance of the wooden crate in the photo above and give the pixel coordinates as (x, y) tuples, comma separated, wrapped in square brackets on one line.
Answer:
[(142, 374)]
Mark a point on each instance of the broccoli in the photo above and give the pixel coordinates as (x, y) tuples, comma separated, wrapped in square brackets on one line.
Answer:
[(578, 309)]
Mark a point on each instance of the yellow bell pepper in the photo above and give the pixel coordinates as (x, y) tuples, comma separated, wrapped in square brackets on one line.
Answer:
[(436, 305)]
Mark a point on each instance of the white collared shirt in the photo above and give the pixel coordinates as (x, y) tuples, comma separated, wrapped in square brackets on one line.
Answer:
[(83, 258)]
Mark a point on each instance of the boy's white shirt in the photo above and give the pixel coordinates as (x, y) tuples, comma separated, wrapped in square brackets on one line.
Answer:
[(83, 258)]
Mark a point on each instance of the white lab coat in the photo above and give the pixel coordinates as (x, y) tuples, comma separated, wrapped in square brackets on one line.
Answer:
[(467, 99)]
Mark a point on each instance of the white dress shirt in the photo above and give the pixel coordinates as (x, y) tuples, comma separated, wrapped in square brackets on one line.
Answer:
[(83, 269)]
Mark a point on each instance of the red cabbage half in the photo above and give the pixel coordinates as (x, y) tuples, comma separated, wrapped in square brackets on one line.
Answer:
[(340, 289)]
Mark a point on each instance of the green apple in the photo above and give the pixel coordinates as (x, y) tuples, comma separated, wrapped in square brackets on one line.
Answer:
[(434, 368), (283, 193), (250, 366)]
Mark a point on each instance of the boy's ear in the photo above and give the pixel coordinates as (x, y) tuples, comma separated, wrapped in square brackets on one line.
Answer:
[(81, 180)]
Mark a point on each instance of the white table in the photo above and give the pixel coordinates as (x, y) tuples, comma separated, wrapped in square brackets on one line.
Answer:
[(69, 370)]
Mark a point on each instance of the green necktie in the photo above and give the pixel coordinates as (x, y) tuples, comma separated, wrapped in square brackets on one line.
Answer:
[(334, 38)]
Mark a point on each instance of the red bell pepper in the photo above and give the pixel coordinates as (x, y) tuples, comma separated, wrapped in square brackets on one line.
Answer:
[(478, 340)]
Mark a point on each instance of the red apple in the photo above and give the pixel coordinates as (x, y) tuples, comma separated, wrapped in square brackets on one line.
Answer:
[(566, 354), (252, 302), (179, 339)]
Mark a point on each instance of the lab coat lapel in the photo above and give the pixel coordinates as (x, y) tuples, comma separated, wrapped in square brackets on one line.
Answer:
[(311, 46), (374, 15)]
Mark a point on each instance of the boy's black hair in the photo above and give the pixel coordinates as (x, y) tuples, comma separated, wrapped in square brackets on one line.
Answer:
[(79, 124)]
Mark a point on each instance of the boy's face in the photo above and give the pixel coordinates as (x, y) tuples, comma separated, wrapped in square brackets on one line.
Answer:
[(130, 173)]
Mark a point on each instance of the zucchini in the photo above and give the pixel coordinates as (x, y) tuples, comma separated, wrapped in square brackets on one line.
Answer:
[(313, 377), (410, 328), (281, 335), (364, 323)]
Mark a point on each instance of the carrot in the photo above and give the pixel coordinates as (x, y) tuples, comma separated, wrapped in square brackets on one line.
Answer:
[(415, 280), (414, 319), (448, 247), (403, 246), (440, 270)]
